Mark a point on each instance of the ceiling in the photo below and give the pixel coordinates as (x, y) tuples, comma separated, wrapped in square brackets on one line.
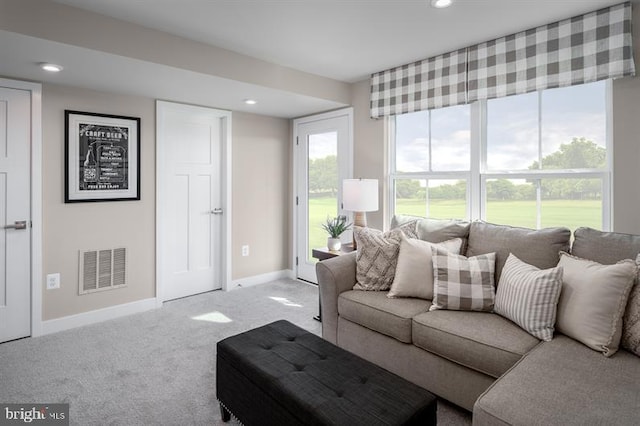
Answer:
[(346, 40)]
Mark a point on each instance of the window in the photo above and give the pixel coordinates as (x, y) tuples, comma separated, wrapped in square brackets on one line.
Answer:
[(534, 160), (432, 162)]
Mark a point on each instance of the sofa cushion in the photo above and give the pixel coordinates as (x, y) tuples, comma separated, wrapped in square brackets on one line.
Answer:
[(461, 283), (483, 341), (529, 296), (377, 312), (539, 248), (604, 247), (414, 271), (436, 230), (562, 382), (377, 256), (593, 300)]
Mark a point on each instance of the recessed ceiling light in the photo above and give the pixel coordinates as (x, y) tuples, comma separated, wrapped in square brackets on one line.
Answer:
[(441, 3), (250, 101), (51, 67)]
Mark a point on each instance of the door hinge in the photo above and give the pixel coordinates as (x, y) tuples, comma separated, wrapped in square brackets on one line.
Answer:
[(296, 260), (297, 140), (296, 200)]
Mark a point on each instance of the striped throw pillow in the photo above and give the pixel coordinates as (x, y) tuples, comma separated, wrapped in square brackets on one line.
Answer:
[(528, 296), (463, 283)]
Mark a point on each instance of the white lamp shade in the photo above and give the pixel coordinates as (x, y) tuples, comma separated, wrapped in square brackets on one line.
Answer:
[(360, 195)]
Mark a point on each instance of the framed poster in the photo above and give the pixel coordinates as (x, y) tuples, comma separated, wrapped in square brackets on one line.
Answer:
[(102, 157)]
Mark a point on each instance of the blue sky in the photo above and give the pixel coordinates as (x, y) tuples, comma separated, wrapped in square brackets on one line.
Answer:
[(512, 129)]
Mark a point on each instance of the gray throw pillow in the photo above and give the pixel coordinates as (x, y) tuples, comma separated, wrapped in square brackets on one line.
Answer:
[(631, 321)]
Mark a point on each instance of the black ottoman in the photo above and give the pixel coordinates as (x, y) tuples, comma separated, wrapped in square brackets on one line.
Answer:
[(280, 374)]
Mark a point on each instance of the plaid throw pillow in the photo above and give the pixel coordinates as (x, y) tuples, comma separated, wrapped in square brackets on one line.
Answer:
[(529, 296), (461, 283), (378, 255)]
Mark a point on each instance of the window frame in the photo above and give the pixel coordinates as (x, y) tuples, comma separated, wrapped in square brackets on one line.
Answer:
[(478, 175)]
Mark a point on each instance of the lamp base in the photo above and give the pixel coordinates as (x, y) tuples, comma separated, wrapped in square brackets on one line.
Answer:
[(359, 219)]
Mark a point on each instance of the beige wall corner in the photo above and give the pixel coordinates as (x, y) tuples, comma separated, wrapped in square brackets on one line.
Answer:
[(261, 185), (68, 228), (626, 144), (370, 149), (626, 155)]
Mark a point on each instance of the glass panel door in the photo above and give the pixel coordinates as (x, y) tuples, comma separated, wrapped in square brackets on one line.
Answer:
[(323, 161), (322, 187)]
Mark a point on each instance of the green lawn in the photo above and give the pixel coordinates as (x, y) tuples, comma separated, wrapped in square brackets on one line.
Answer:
[(569, 213)]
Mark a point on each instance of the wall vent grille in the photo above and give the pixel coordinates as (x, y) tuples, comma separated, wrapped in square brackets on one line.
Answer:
[(102, 269)]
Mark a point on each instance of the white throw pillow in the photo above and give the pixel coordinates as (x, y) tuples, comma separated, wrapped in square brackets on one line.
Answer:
[(593, 300), (414, 271), (528, 296)]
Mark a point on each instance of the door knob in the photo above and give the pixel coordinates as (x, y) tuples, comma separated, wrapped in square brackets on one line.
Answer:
[(216, 211), (18, 224)]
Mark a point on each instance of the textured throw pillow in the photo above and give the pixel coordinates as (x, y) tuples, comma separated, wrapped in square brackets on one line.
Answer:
[(377, 256), (414, 271), (461, 283), (593, 300), (528, 296), (631, 321)]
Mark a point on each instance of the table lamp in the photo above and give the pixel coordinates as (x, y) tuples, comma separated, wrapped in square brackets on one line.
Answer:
[(360, 196)]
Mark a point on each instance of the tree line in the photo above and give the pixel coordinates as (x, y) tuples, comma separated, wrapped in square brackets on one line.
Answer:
[(580, 153)]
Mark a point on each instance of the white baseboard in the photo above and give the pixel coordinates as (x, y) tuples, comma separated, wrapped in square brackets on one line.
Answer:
[(99, 315), (261, 279)]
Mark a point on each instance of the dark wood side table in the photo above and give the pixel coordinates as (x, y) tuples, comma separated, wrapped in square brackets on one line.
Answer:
[(324, 254)]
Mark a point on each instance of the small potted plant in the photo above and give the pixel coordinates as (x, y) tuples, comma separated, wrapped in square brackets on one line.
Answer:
[(335, 227)]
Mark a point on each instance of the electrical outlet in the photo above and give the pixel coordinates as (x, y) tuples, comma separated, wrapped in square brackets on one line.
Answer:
[(53, 281), (245, 250)]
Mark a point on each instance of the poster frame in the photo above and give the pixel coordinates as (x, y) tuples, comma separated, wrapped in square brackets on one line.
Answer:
[(86, 177)]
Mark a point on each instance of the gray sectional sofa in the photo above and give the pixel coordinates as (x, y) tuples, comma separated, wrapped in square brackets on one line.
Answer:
[(480, 360)]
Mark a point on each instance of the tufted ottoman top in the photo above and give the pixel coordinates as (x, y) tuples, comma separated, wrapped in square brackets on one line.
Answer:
[(321, 383)]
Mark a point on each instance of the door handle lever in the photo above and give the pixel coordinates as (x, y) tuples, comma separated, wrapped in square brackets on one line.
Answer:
[(216, 211), (18, 224)]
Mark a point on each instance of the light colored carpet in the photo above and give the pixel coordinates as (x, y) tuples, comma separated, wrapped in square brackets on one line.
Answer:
[(157, 367)]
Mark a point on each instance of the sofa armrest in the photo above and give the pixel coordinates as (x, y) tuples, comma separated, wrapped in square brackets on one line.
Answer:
[(335, 276)]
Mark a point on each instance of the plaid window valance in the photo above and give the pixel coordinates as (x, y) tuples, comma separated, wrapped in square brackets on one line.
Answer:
[(583, 49), (436, 82)]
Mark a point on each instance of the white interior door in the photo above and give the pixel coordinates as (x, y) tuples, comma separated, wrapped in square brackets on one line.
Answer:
[(15, 223), (323, 161), (190, 208)]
